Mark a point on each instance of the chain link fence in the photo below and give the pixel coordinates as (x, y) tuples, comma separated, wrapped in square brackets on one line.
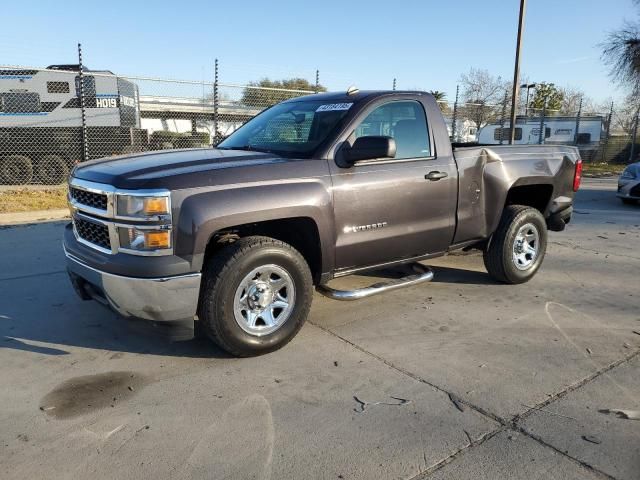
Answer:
[(51, 119), (54, 118), (601, 136)]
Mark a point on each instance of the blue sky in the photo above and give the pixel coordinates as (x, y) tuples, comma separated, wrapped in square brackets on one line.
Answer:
[(424, 44)]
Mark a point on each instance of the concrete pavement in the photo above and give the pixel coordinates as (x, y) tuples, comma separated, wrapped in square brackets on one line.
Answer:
[(461, 378)]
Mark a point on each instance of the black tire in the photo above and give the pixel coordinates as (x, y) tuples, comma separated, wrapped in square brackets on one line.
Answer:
[(52, 170), (499, 254), (16, 170), (629, 201), (222, 275)]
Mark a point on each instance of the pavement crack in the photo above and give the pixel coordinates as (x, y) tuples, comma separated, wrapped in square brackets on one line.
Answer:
[(573, 387), (459, 404), (564, 454), (32, 275), (504, 425), (580, 247), (450, 458)]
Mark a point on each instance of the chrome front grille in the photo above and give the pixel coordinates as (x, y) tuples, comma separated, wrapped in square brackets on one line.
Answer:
[(92, 232), (89, 199), (96, 222)]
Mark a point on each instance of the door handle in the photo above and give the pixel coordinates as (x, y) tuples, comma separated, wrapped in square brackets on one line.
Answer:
[(435, 176)]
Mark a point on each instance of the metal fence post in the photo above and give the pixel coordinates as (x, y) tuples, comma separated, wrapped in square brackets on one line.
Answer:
[(83, 113), (215, 103), (502, 115), (633, 137), (455, 115), (317, 81), (606, 135), (575, 138), (394, 83), (542, 132)]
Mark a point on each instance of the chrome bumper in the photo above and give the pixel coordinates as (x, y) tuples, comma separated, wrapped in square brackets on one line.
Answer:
[(157, 299)]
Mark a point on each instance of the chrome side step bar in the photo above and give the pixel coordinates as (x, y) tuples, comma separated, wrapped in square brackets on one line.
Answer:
[(425, 274)]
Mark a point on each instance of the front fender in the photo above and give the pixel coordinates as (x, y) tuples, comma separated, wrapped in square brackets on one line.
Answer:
[(203, 213)]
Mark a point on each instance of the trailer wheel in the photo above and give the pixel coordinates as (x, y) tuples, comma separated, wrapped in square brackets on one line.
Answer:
[(52, 170), (16, 170)]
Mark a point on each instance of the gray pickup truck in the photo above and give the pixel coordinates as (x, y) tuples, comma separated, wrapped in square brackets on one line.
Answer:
[(317, 187)]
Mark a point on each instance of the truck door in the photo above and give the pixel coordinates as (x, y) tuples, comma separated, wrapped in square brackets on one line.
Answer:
[(392, 209)]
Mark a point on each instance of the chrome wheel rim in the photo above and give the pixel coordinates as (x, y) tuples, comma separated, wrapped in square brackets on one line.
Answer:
[(526, 246), (264, 300)]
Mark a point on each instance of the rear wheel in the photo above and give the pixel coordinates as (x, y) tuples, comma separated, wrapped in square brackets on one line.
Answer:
[(16, 170), (516, 249), (52, 170), (256, 295)]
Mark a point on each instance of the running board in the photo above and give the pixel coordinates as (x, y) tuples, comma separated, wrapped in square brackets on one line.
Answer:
[(425, 274)]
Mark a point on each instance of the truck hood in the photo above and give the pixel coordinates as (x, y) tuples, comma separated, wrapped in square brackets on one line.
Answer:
[(172, 169)]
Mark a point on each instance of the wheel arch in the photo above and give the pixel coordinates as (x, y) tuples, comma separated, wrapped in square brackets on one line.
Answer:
[(301, 233)]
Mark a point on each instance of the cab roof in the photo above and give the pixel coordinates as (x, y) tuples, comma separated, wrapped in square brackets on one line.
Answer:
[(353, 97)]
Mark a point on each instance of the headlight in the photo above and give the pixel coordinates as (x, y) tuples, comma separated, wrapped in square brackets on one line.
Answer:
[(142, 207), (144, 240)]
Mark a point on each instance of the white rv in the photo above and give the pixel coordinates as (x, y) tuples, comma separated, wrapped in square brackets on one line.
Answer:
[(466, 130), (41, 121), (557, 130)]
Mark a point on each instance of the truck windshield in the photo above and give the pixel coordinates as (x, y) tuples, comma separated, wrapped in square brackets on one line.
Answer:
[(292, 129)]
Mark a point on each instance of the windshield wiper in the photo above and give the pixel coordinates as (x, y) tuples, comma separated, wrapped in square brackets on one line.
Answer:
[(247, 148)]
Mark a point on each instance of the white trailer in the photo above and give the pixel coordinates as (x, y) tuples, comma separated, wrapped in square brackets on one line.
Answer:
[(466, 130), (41, 121), (557, 130)]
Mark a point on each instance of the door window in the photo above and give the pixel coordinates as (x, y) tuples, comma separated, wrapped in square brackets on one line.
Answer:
[(405, 122)]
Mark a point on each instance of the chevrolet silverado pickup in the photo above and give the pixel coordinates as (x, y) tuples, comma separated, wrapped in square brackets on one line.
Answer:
[(237, 237)]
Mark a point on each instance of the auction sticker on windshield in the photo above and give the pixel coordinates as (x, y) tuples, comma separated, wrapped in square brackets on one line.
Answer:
[(334, 106)]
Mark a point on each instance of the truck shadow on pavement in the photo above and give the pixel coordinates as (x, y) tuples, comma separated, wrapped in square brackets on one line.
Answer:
[(440, 274), (54, 318), (46, 321)]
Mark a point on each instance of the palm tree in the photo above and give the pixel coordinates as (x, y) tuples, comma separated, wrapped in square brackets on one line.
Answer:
[(438, 95), (621, 51), (441, 99)]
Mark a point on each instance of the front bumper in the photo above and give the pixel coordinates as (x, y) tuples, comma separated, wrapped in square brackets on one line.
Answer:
[(159, 299)]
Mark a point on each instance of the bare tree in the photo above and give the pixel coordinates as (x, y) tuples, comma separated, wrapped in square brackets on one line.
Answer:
[(483, 95), (621, 51), (624, 115), (570, 103)]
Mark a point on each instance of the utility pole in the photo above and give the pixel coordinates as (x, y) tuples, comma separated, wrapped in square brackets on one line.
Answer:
[(528, 87), (575, 139), (516, 72)]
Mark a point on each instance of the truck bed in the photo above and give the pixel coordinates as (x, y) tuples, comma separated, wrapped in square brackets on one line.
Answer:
[(487, 172)]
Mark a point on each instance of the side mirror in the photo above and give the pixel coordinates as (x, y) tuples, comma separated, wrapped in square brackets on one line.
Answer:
[(369, 148)]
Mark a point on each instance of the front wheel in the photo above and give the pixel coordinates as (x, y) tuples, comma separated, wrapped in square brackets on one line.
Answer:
[(629, 201), (256, 295), (516, 249)]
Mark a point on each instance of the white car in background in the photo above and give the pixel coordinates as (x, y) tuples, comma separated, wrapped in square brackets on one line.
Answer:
[(629, 184)]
